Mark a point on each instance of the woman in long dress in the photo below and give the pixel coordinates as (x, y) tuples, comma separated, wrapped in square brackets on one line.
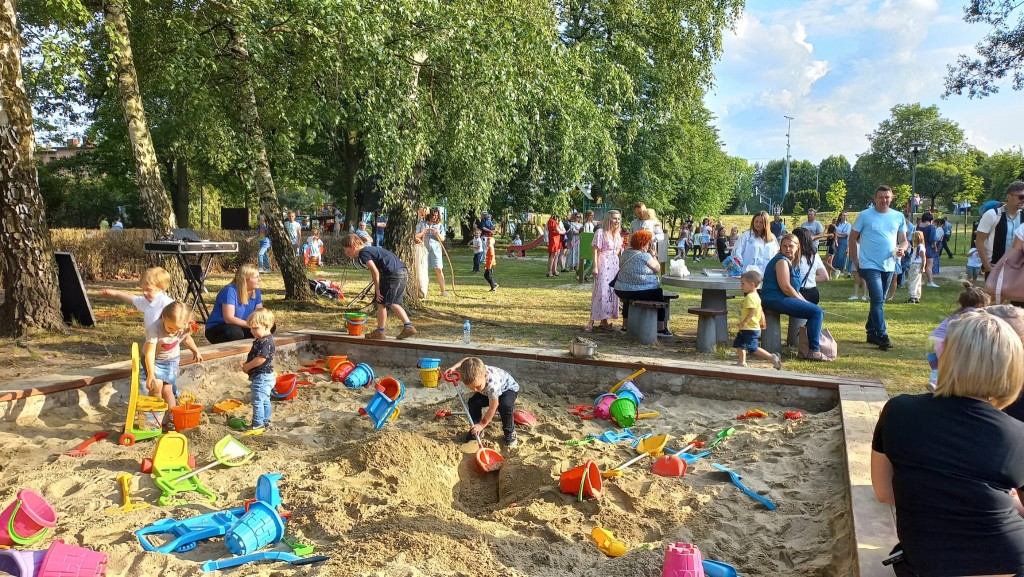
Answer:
[(604, 304)]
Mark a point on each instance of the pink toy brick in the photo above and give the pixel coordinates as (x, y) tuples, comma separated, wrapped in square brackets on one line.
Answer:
[(682, 560)]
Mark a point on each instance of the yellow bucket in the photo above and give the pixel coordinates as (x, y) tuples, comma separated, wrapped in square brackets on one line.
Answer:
[(430, 376), (149, 413)]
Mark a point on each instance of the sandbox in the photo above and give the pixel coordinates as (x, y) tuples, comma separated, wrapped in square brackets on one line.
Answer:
[(408, 499)]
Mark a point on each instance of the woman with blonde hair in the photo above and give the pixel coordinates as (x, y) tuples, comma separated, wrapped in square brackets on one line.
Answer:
[(607, 243), (431, 233), (229, 319), (756, 246), (951, 463)]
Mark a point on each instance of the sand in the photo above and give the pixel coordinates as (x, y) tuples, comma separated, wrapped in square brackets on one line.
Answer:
[(408, 500)]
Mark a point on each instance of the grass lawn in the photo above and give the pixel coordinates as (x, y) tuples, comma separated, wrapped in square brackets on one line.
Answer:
[(528, 310)]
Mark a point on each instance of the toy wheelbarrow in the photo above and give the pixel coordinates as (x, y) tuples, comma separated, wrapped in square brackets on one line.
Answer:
[(489, 460)]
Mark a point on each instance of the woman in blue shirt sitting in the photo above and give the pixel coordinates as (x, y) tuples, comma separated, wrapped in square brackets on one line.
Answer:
[(780, 292), (638, 277), (229, 319)]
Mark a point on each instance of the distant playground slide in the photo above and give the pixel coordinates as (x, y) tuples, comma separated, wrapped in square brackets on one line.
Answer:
[(521, 249)]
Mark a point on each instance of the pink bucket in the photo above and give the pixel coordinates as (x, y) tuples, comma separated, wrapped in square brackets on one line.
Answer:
[(602, 408), (26, 520)]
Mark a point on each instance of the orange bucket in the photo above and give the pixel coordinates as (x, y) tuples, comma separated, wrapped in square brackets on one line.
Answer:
[(355, 322), (334, 360), (341, 371), (285, 388), (186, 416), (572, 479)]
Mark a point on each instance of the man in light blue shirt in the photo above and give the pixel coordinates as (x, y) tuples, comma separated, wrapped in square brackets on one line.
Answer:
[(878, 239)]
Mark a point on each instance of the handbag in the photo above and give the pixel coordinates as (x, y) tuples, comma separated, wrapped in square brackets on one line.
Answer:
[(1006, 280), (826, 344), (611, 283)]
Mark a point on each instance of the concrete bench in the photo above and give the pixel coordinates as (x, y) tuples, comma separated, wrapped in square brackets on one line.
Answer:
[(643, 320), (707, 333), (771, 336)]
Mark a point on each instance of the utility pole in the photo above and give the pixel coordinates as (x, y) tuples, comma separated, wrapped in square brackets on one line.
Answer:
[(785, 176)]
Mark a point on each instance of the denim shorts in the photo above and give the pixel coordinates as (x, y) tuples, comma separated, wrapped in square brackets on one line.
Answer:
[(166, 371), (747, 340), (973, 270)]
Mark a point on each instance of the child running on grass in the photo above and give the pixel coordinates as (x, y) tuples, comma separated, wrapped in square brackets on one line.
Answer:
[(153, 283), (493, 388), (389, 280), (163, 352), (259, 365), (918, 262), (752, 323)]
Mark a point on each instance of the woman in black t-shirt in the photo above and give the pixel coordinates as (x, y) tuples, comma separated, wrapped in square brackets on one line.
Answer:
[(951, 463)]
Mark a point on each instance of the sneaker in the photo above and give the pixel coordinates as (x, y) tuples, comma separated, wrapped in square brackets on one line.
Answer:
[(933, 285), (495, 288), (884, 343), (406, 333), (864, 297), (776, 361), (853, 298), (260, 427), (665, 334), (377, 336), (511, 440), (444, 294)]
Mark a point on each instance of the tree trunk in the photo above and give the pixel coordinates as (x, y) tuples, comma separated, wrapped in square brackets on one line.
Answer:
[(31, 300), (182, 192), (295, 285), (401, 230), (147, 170), (352, 160)]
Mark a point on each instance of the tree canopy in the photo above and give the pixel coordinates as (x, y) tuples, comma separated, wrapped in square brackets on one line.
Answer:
[(1000, 53)]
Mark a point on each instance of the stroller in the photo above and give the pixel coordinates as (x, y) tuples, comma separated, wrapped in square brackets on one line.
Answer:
[(326, 289)]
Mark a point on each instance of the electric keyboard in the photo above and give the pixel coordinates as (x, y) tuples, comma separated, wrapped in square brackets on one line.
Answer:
[(185, 247)]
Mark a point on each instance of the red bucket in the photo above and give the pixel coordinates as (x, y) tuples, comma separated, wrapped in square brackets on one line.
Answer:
[(572, 479), (286, 387)]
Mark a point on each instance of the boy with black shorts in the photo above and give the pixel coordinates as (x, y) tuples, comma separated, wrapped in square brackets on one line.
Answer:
[(389, 280)]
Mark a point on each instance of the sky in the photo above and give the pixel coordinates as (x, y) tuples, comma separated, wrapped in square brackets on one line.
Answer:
[(838, 67)]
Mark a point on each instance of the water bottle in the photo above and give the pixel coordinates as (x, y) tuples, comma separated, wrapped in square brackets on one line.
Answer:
[(465, 333)]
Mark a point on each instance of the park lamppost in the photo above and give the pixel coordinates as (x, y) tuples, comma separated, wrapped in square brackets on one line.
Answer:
[(915, 148), (785, 176)]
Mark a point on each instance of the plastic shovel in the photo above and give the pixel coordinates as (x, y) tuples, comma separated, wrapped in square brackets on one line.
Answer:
[(735, 478), (125, 480), (489, 460), (722, 435), (80, 450), (717, 569), (228, 451), (649, 447)]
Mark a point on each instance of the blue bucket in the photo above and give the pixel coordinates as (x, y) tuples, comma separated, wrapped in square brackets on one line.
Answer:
[(359, 377), (262, 525), (429, 363)]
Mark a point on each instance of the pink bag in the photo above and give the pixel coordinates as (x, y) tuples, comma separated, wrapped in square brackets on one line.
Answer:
[(1006, 281)]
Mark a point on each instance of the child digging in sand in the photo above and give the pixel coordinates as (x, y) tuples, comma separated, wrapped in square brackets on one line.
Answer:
[(493, 388), (259, 365), (752, 323)]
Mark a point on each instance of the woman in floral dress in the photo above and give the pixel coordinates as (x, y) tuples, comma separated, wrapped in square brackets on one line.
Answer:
[(604, 305)]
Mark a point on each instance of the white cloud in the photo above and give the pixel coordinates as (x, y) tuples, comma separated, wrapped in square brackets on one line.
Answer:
[(839, 67)]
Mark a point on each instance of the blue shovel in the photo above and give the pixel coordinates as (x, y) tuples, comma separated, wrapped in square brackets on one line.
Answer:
[(736, 481)]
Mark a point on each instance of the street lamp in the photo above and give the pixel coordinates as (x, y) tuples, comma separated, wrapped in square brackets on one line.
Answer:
[(915, 148), (785, 177)]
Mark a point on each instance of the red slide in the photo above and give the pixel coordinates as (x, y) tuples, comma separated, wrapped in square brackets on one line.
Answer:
[(521, 249)]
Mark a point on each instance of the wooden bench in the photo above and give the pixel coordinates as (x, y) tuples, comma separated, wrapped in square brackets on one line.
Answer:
[(642, 321), (707, 333)]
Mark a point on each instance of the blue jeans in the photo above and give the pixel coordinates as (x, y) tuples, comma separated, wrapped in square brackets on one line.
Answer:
[(261, 385), (478, 259), (877, 282), (166, 371), (264, 260), (801, 309)]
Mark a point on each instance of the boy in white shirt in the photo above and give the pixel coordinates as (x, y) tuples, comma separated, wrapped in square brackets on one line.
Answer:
[(477, 245), (153, 283)]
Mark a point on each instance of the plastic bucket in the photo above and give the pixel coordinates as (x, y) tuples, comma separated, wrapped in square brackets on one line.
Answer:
[(334, 360), (623, 412), (186, 417), (572, 479), (355, 322), (430, 377), (629, 389), (603, 406), (429, 363), (391, 388), (262, 525), (26, 520), (285, 387), (63, 559), (149, 413), (359, 377), (341, 371)]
